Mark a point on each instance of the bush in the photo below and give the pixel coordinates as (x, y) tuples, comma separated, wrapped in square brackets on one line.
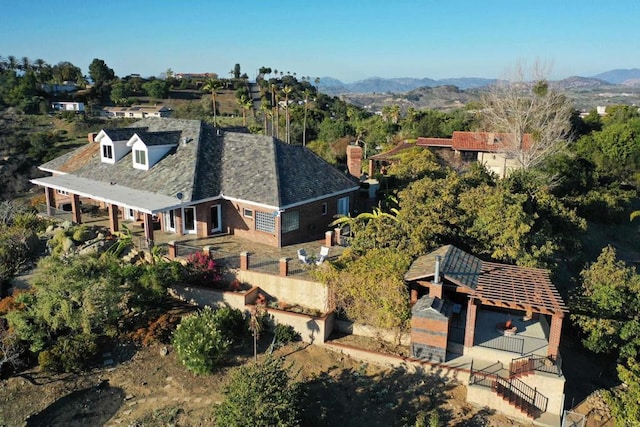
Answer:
[(159, 331), (70, 353), (284, 334), (261, 394), (198, 342), (203, 269), (231, 323)]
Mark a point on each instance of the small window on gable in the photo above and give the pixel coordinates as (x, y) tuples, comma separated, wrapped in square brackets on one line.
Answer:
[(107, 152), (324, 209), (140, 157), (247, 213)]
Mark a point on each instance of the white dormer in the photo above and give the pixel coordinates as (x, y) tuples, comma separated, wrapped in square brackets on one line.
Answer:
[(148, 148), (113, 143)]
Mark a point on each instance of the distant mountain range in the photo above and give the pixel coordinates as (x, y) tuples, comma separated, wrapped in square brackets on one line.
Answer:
[(379, 85)]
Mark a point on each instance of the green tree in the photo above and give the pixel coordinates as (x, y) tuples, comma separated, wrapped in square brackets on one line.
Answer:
[(261, 394), (100, 73), (213, 86), (158, 89), (245, 104), (119, 93), (199, 342)]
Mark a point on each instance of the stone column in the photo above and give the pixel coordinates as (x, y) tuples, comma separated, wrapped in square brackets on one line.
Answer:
[(244, 260), (284, 267), (328, 238), (172, 249)]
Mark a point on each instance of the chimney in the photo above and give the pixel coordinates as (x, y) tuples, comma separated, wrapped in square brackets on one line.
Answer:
[(435, 289), (354, 160)]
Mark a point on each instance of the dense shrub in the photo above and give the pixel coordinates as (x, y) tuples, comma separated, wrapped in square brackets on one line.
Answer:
[(158, 331), (260, 394), (231, 323), (199, 343), (202, 269), (70, 354), (285, 334)]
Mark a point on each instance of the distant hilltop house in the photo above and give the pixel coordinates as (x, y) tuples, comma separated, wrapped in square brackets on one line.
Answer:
[(181, 76), (68, 106), (136, 111), (188, 177), (492, 149), (65, 87)]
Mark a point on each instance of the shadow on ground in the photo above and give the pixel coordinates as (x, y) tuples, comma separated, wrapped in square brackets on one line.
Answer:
[(92, 406)]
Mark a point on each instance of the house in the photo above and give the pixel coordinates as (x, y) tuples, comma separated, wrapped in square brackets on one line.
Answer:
[(136, 111), (494, 150), (507, 319), (192, 178), (68, 106)]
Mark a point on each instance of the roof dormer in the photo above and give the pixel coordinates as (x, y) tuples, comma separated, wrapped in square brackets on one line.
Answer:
[(149, 147), (113, 143)]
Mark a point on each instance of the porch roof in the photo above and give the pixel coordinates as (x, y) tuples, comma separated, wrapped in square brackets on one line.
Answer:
[(140, 200), (494, 284)]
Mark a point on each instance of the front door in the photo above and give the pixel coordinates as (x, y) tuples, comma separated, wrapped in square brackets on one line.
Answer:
[(170, 220), (129, 214), (189, 220), (216, 219)]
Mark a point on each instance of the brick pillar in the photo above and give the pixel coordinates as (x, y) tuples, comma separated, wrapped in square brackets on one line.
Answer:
[(337, 235), (554, 335), (113, 218), (284, 267), (328, 238), (244, 260), (148, 228), (75, 209), (172, 249), (207, 250), (178, 220), (435, 290), (49, 194), (471, 323), (354, 160), (372, 168), (414, 296)]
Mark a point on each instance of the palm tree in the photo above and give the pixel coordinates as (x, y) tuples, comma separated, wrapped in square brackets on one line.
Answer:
[(244, 103), (304, 121), (12, 62), (265, 110), (287, 90), (213, 85), (276, 113)]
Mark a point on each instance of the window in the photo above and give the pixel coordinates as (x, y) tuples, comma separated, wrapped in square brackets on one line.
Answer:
[(324, 209), (62, 192), (107, 152), (265, 221), (140, 157), (247, 213), (290, 221), (343, 206)]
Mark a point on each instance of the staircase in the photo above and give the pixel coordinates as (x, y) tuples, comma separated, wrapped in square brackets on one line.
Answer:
[(510, 388)]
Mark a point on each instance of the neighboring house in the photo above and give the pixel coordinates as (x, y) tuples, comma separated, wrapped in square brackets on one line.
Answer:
[(196, 179), (136, 111), (507, 319), (68, 106), (65, 87), (490, 149)]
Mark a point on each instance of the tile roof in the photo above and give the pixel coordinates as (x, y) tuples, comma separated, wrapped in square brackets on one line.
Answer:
[(403, 145), (123, 134), (491, 282), (475, 141), (160, 138), (212, 163), (434, 142)]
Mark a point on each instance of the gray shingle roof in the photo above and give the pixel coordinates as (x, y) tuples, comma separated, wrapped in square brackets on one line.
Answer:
[(123, 134), (242, 166)]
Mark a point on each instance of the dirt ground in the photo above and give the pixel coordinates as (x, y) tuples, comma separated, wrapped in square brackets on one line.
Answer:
[(145, 388)]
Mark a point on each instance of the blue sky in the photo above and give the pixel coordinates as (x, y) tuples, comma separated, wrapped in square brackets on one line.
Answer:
[(349, 40)]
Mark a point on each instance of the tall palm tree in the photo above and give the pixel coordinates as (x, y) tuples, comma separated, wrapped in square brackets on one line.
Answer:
[(265, 109), (276, 111), (287, 90), (245, 103), (304, 121), (213, 85), (12, 62)]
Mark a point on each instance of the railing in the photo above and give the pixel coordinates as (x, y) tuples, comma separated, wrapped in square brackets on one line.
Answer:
[(264, 264), (52, 212), (528, 363), (227, 259), (505, 343), (184, 250), (526, 398), (295, 267)]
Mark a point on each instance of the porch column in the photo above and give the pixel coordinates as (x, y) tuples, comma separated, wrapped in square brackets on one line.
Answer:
[(470, 328), (113, 218), (75, 209), (49, 194), (178, 218), (554, 335), (148, 228), (372, 168)]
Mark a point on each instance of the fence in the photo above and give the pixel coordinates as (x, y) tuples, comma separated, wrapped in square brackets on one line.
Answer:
[(524, 364), (264, 264), (184, 250), (52, 212), (505, 343)]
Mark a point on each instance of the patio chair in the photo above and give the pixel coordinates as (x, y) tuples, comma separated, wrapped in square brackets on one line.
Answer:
[(302, 256), (324, 253)]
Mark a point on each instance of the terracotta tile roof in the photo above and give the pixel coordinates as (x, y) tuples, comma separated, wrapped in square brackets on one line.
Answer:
[(434, 142), (493, 283), (387, 155), (485, 141)]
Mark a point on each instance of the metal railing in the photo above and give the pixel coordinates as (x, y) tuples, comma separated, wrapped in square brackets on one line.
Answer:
[(532, 362), (52, 212), (264, 264), (227, 259), (184, 250), (505, 343), (514, 390)]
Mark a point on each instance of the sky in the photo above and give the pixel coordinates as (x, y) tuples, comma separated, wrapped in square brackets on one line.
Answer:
[(349, 39)]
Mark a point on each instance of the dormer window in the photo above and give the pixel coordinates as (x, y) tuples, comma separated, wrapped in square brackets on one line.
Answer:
[(107, 152), (140, 157)]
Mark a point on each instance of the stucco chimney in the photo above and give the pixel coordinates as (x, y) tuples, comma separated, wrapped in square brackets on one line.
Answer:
[(435, 289), (436, 273)]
